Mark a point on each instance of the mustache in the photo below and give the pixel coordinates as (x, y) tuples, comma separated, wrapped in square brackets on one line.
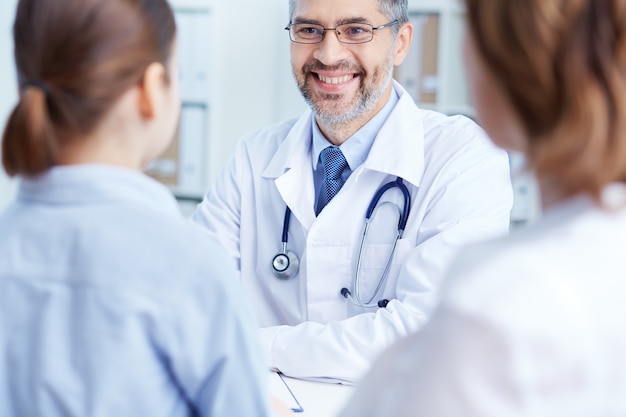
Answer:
[(316, 65)]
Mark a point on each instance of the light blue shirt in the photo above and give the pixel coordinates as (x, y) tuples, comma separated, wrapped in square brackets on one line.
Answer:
[(355, 149), (112, 304)]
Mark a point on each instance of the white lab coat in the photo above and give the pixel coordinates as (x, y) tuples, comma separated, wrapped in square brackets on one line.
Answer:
[(461, 192), (530, 325)]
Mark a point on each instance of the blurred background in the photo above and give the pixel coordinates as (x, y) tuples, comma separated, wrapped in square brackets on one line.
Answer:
[(236, 81)]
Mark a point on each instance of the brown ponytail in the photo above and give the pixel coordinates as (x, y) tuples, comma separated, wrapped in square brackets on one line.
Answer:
[(76, 58), (28, 143)]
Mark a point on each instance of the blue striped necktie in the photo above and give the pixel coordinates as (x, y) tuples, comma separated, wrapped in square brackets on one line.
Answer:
[(334, 163)]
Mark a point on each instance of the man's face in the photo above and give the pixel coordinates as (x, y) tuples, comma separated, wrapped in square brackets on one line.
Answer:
[(343, 81)]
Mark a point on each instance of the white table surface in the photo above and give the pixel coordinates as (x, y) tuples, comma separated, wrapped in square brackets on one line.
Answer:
[(319, 399)]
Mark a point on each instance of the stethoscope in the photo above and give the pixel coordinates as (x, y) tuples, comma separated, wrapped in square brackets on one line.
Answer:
[(285, 264)]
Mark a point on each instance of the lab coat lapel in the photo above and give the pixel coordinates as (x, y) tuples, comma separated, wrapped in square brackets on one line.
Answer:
[(291, 169), (399, 146)]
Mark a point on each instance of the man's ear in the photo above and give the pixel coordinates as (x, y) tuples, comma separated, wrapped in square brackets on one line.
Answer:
[(403, 43), (149, 89)]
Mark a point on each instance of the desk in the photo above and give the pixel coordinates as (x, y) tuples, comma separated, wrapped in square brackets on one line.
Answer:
[(319, 399)]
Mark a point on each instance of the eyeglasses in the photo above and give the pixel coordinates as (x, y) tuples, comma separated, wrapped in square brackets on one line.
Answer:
[(346, 33)]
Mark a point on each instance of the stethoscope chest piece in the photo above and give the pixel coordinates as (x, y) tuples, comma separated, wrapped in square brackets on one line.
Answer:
[(285, 265)]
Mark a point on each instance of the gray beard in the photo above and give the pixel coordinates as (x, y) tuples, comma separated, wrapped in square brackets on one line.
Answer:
[(362, 104)]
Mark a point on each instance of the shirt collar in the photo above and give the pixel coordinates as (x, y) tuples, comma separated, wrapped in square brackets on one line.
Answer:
[(97, 183)]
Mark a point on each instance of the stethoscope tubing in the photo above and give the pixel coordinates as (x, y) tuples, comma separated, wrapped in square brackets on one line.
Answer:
[(382, 279), (407, 201), (286, 227)]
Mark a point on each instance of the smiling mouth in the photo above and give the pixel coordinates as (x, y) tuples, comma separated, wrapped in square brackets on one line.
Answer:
[(335, 80)]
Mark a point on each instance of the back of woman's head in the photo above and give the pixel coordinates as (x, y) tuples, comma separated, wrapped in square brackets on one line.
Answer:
[(74, 59), (562, 65)]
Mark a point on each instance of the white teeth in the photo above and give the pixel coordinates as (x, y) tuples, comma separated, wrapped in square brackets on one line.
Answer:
[(335, 80)]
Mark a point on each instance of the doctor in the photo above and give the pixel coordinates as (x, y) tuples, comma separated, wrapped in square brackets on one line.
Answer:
[(290, 205)]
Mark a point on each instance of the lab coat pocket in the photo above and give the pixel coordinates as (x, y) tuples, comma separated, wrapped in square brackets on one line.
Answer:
[(373, 263)]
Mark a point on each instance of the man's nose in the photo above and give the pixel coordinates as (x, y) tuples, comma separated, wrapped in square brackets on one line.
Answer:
[(330, 50)]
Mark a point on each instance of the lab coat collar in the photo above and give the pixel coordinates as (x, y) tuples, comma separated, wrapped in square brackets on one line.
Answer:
[(291, 169), (291, 152), (398, 149), (402, 130)]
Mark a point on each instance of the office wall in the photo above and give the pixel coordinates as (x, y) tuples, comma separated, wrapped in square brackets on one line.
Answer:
[(252, 85), (8, 90), (251, 82)]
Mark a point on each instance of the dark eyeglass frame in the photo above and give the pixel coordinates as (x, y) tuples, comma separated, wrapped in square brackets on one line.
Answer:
[(337, 30)]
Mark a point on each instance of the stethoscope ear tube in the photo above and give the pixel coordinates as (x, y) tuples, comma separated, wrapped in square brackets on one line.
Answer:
[(347, 294)]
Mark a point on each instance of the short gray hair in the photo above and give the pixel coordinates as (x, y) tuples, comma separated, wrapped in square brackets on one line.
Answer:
[(393, 9)]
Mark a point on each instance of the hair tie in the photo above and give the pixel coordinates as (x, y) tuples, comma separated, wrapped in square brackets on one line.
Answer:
[(35, 84)]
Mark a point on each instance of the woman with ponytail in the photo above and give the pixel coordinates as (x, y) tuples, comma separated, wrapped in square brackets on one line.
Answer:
[(111, 303)]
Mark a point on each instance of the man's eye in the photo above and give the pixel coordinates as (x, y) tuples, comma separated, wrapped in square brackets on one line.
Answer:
[(309, 30), (356, 30)]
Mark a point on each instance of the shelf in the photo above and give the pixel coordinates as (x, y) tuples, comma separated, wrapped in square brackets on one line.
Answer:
[(433, 72), (191, 5), (437, 6), (183, 165)]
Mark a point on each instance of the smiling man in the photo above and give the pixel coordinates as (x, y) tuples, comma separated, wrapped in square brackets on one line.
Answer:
[(291, 205)]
